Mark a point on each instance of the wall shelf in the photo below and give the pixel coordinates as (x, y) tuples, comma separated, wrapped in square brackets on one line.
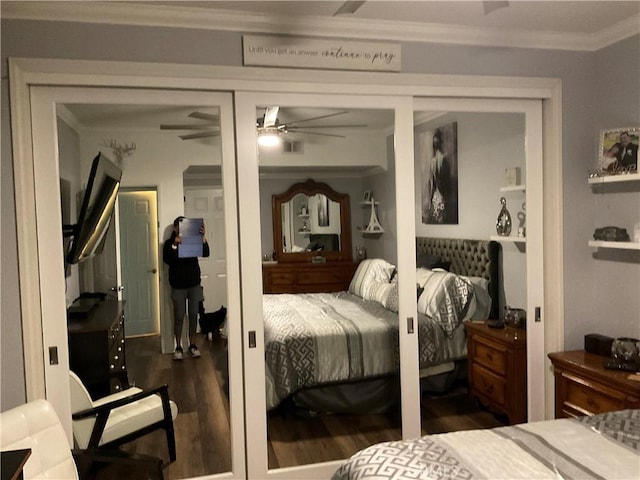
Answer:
[(627, 177), (617, 245), (373, 229), (508, 238), (513, 188)]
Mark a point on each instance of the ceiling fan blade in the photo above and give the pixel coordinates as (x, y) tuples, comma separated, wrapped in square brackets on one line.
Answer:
[(315, 118), (183, 126), (306, 132), (205, 116), (293, 127), (209, 133), (270, 117), (492, 5), (348, 7)]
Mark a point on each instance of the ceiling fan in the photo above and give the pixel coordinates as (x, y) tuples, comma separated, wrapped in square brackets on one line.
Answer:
[(210, 127), (351, 6), (269, 124)]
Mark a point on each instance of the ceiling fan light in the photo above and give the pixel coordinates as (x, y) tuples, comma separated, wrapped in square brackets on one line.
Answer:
[(268, 139)]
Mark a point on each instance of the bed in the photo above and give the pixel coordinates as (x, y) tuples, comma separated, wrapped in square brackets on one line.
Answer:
[(602, 446), (338, 352)]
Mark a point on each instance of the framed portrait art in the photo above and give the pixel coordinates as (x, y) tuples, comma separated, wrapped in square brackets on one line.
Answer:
[(618, 151)]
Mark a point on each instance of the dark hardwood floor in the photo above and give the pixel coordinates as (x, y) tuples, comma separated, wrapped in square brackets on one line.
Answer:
[(202, 425)]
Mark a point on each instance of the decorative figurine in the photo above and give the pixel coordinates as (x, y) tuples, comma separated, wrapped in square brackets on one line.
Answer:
[(503, 224), (521, 218)]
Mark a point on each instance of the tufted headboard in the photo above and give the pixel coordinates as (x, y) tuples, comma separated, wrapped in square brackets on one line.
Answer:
[(472, 258)]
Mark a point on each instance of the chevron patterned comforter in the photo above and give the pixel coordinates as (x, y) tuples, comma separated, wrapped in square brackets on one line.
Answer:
[(598, 447), (323, 338)]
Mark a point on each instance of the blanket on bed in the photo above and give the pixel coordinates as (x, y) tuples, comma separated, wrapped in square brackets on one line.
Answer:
[(323, 338), (602, 446)]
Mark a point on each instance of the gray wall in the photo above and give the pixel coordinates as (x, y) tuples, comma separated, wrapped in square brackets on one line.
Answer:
[(584, 83)]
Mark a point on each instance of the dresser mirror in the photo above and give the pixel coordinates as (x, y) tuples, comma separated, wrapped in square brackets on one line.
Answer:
[(311, 220)]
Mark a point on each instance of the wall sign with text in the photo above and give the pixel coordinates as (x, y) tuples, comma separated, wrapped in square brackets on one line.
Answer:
[(328, 54)]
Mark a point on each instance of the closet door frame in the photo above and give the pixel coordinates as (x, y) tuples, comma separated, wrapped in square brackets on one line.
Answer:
[(25, 73)]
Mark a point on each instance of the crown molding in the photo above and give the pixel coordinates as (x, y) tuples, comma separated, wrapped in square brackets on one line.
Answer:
[(226, 20)]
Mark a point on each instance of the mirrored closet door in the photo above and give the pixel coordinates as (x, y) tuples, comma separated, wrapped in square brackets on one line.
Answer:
[(320, 252), (160, 167), (478, 226)]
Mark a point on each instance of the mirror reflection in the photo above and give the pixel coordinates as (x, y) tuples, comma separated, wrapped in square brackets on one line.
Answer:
[(328, 392), (155, 189), (311, 223)]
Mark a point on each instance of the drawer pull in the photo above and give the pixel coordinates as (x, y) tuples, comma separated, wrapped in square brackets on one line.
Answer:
[(489, 357)]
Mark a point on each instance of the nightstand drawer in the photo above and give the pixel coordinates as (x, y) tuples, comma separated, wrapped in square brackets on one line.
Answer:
[(590, 398), (489, 384), (491, 356)]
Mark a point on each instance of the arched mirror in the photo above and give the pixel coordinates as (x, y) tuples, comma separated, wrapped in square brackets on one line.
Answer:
[(311, 220)]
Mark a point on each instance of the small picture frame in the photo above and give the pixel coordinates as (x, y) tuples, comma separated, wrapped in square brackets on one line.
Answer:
[(618, 151), (366, 196)]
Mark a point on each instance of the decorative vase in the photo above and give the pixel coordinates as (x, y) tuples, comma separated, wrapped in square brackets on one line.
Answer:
[(503, 224)]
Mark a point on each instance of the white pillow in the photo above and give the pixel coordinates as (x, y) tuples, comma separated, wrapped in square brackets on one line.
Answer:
[(369, 274), (422, 275), (386, 294)]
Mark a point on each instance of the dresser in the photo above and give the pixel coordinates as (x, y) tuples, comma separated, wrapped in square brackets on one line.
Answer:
[(296, 277), (497, 360), (97, 351), (585, 387)]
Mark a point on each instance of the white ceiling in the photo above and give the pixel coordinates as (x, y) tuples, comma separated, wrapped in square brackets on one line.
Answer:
[(558, 16), (567, 25)]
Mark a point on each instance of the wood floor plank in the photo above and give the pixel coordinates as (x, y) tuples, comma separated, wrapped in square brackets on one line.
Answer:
[(203, 437)]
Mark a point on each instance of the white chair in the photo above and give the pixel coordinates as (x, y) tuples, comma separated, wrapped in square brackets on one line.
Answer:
[(121, 417), (36, 426)]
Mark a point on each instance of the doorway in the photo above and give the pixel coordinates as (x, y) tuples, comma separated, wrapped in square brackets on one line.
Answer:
[(138, 232)]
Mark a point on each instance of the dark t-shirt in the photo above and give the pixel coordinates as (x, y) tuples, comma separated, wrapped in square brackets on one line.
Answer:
[(183, 272)]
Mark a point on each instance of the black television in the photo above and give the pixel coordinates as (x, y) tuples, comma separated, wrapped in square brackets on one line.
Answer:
[(96, 211)]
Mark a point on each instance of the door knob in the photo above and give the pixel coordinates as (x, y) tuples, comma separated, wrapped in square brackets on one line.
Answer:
[(155, 270)]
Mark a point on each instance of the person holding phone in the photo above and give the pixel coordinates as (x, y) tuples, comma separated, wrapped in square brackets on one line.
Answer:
[(186, 291)]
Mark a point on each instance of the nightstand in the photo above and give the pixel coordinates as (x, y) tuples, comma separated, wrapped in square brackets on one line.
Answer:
[(497, 359), (585, 387)]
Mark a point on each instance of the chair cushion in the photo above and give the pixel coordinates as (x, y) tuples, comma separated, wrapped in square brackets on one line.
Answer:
[(136, 415), (122, 420), (35, 425)]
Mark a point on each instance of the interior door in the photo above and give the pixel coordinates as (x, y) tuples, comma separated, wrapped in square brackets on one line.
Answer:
[(208, 204), (138, 222), (105, 271), (44, 101)]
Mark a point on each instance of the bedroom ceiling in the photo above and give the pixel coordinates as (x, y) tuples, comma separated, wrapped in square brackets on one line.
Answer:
[(564, 25), (558, 16)]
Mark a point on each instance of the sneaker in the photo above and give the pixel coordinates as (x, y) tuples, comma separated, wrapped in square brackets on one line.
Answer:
[(193, 350), (177, 355)]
